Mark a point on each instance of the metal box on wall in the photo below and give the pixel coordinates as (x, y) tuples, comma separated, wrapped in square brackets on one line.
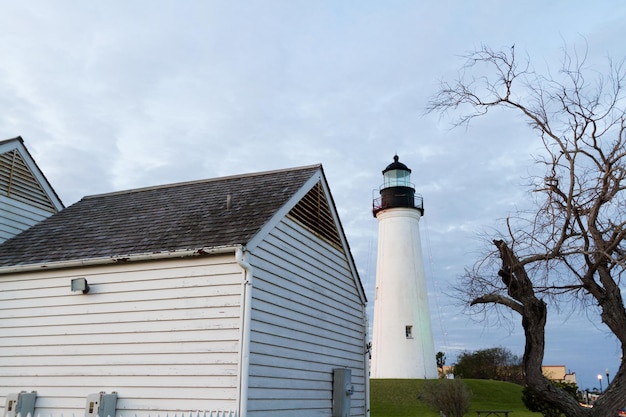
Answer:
[(342, 391), (101, 405), (21, 404)]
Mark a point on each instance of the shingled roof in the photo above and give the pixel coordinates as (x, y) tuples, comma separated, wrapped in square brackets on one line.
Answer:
[(202, 214)]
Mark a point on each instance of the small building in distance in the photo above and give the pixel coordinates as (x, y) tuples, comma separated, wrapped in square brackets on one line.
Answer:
[(26, 196), (558, 373), (553, 372), (235, 296), (446, 372)]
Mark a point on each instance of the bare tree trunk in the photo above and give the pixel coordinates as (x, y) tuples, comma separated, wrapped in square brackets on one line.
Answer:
[(534, 316)]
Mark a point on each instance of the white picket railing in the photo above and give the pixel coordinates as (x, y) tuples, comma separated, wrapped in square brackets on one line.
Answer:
[(205, 413)]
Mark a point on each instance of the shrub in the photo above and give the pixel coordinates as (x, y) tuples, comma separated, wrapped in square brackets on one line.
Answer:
[(496, 363), (448, 396)]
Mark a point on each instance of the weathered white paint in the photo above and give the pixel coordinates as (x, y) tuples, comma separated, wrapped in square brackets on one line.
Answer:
[(308, 319), (163, 334), (137, 257), (401, 300)]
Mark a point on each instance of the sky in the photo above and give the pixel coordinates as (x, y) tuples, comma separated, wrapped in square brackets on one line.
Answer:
[(113, 95)]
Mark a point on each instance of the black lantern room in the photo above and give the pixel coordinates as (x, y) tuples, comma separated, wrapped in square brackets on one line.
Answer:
[(397, 189)]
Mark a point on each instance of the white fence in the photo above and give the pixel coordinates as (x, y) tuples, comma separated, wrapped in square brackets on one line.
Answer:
[(211, 413)]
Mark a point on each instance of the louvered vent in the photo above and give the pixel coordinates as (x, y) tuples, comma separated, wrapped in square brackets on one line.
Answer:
[(18, 182), (313, 212)]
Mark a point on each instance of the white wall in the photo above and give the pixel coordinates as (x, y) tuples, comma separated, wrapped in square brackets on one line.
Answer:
[(163, 334), (401, 300), (308, 319)]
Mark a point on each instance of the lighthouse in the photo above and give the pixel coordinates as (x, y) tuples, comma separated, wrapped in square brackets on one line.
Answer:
[(402, 344)]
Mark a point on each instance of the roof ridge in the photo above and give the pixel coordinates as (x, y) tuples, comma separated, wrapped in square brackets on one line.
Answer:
[(203, 181)]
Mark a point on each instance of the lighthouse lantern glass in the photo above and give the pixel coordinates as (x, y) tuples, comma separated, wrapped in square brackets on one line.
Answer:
[(397, 178)]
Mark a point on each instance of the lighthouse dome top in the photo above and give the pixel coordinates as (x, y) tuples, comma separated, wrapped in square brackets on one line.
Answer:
[(396, 165)]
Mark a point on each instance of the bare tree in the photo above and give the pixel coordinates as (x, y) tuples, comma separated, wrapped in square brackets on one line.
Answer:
[(572, 245)]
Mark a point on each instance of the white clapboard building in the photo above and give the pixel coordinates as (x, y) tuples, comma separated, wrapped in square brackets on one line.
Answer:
[(26, 196), (235, 296)]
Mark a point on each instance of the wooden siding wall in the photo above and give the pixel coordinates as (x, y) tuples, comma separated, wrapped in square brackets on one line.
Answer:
[(308, 319), (15, 217), (163, 334)]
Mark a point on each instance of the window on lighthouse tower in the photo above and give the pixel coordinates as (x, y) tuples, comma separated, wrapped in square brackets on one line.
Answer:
[(409, 332)]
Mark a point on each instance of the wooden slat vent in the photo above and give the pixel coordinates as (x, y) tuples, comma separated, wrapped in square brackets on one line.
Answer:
[(313, 212), (18, 182)]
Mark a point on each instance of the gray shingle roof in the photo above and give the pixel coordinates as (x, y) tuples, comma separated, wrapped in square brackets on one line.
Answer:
[(158, 219)]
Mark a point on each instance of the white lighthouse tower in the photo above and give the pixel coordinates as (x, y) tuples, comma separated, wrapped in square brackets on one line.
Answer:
[(402, 345)]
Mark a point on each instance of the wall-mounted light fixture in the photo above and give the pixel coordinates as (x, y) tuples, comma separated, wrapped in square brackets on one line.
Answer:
[(80, 284)]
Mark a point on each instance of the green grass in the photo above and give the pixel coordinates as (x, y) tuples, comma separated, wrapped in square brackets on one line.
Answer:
[(398, 398)]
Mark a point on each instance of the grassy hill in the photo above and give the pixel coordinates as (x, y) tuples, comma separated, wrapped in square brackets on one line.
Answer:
[(398, 398)]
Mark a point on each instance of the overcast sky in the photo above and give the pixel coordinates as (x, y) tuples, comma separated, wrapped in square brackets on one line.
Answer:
[(112, 95)]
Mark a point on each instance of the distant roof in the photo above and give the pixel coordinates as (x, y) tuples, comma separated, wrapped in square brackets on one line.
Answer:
[(210, 213)]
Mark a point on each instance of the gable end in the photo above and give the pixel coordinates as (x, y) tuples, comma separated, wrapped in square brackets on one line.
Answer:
[(19, 183), (313, 212)]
